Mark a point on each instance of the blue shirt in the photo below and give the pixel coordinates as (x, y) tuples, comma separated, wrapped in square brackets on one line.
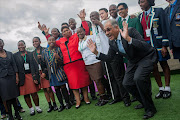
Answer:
[(172, 8)]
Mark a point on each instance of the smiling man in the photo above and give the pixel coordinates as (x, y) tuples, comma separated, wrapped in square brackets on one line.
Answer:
[(141, 56), (132, 22)]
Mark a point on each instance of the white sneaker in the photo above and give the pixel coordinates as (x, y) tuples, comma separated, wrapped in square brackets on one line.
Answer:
[(38, 109)]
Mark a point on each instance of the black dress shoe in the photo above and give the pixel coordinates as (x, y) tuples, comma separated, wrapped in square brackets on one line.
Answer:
[(103, 102), (99, 101), (55, 107), (50, 109), (72, 103), (32, 113), (68, 106), (166, 94), (114, 101), (149, 114), (62, 107), (127, 103), (133, 99), (17, 116), (139, 106), (159, 95), (78, 106), (10, 117)]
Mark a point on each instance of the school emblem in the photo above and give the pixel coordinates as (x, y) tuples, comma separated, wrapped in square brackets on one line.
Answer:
[(155, 24)]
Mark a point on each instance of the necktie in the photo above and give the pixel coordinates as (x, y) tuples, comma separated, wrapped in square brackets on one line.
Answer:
[(120, 47), (124, 19)]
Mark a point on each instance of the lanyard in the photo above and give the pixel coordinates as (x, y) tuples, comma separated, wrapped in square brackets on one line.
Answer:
[(24, 57), (51, 55), (147, 22), (81, 45), (96, 30)]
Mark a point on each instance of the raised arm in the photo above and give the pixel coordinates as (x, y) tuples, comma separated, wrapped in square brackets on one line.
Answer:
[(82, 16)]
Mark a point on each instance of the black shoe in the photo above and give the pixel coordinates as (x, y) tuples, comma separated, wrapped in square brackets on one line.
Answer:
[(32, 113), (166, 94), (94, 98), (127, 103), (62, 107), (17, 116), (139, 106), (88, 103), (55, 107), (50, 108), (72, 103), (133, 99), (99, 101), (114, 101), (78, 106), (149, 114), (103, 102), (68, 106), (159, 95), (10, 117)]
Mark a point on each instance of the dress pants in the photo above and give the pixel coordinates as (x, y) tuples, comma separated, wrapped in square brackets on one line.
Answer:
[(137, 82), (118, 71)]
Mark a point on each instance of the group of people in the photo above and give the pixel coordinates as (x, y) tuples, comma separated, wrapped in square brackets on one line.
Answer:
[(116, 52)]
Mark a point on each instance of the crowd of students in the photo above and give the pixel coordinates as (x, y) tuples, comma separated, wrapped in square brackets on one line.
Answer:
[(97, 51)]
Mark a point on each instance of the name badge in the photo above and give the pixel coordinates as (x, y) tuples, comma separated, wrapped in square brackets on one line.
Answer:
[(39, 67), (148, 32), (52, 70), (26, 66), (98, 40), (155, 31)]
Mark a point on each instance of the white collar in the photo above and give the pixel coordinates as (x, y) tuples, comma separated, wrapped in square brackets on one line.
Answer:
[(148, 11), (127, 17)]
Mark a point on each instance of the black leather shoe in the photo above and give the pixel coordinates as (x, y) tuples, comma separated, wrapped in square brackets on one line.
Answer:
[(149, 114), (166, 94), (17, 116), (32, 113), (99, 101), (103, 102), (78, 106), (94, 98), (10, 117), (50, 109), (159, 95), (139, 106), (68, 106), (127, 103), (62, 107), (114, 101), (133, 99), (55, 107)]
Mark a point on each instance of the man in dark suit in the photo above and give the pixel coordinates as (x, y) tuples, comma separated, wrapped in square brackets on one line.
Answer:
[(173, 26), (141, 58)]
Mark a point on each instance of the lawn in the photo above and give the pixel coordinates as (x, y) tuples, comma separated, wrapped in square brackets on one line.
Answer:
[(168, 109)]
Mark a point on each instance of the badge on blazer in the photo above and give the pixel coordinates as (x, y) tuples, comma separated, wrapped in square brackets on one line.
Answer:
[(155, 24), (177, 16)]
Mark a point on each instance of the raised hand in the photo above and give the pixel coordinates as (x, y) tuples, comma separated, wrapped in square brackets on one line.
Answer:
[(45, 29), (39, 26), (124, 33), (82, 15), (92, 46)]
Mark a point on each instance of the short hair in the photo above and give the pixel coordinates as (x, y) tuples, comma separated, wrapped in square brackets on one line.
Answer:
[(22, 42), (123, 4), (64, 24), (37, 38), (72, 19), (57, 29), (2, 40), (104, 10), (62, 28), (51, 37), (112, 21), (81, 28), (151, 2)]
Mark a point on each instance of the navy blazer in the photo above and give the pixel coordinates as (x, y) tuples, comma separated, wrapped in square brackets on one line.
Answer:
[(157, 21), (8, 65), (173, 25), (135, 51), (20, 65)]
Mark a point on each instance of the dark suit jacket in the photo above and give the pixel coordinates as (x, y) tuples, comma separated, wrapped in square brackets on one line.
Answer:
[(135, 51), (35, 63), (173, 25), (20, 65), (157, 21), (8, 66), (135, 23)]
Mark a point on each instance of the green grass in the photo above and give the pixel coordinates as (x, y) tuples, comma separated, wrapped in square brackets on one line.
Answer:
[(168, 109)]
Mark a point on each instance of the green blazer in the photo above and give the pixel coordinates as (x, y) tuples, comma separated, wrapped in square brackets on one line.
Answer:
[(135, 23)]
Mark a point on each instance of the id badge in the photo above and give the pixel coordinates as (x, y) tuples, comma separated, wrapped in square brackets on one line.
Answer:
[(52, 70), (39, 67), (26, 66), (98, 40), (148, 32), (155, 31)]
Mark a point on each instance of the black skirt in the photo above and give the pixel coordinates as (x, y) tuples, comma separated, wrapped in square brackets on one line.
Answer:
[(8, 88)]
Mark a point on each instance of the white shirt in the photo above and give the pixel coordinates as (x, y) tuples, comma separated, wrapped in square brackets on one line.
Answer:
[(148, 12), (127, 18), (102, 41), (88, 57), (73, 31)]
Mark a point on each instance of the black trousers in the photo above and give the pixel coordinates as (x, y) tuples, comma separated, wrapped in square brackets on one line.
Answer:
[(137, 82), (118, 71)]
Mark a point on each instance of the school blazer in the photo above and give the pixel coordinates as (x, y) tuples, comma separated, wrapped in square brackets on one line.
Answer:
[(157, 22), (173, 25)]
